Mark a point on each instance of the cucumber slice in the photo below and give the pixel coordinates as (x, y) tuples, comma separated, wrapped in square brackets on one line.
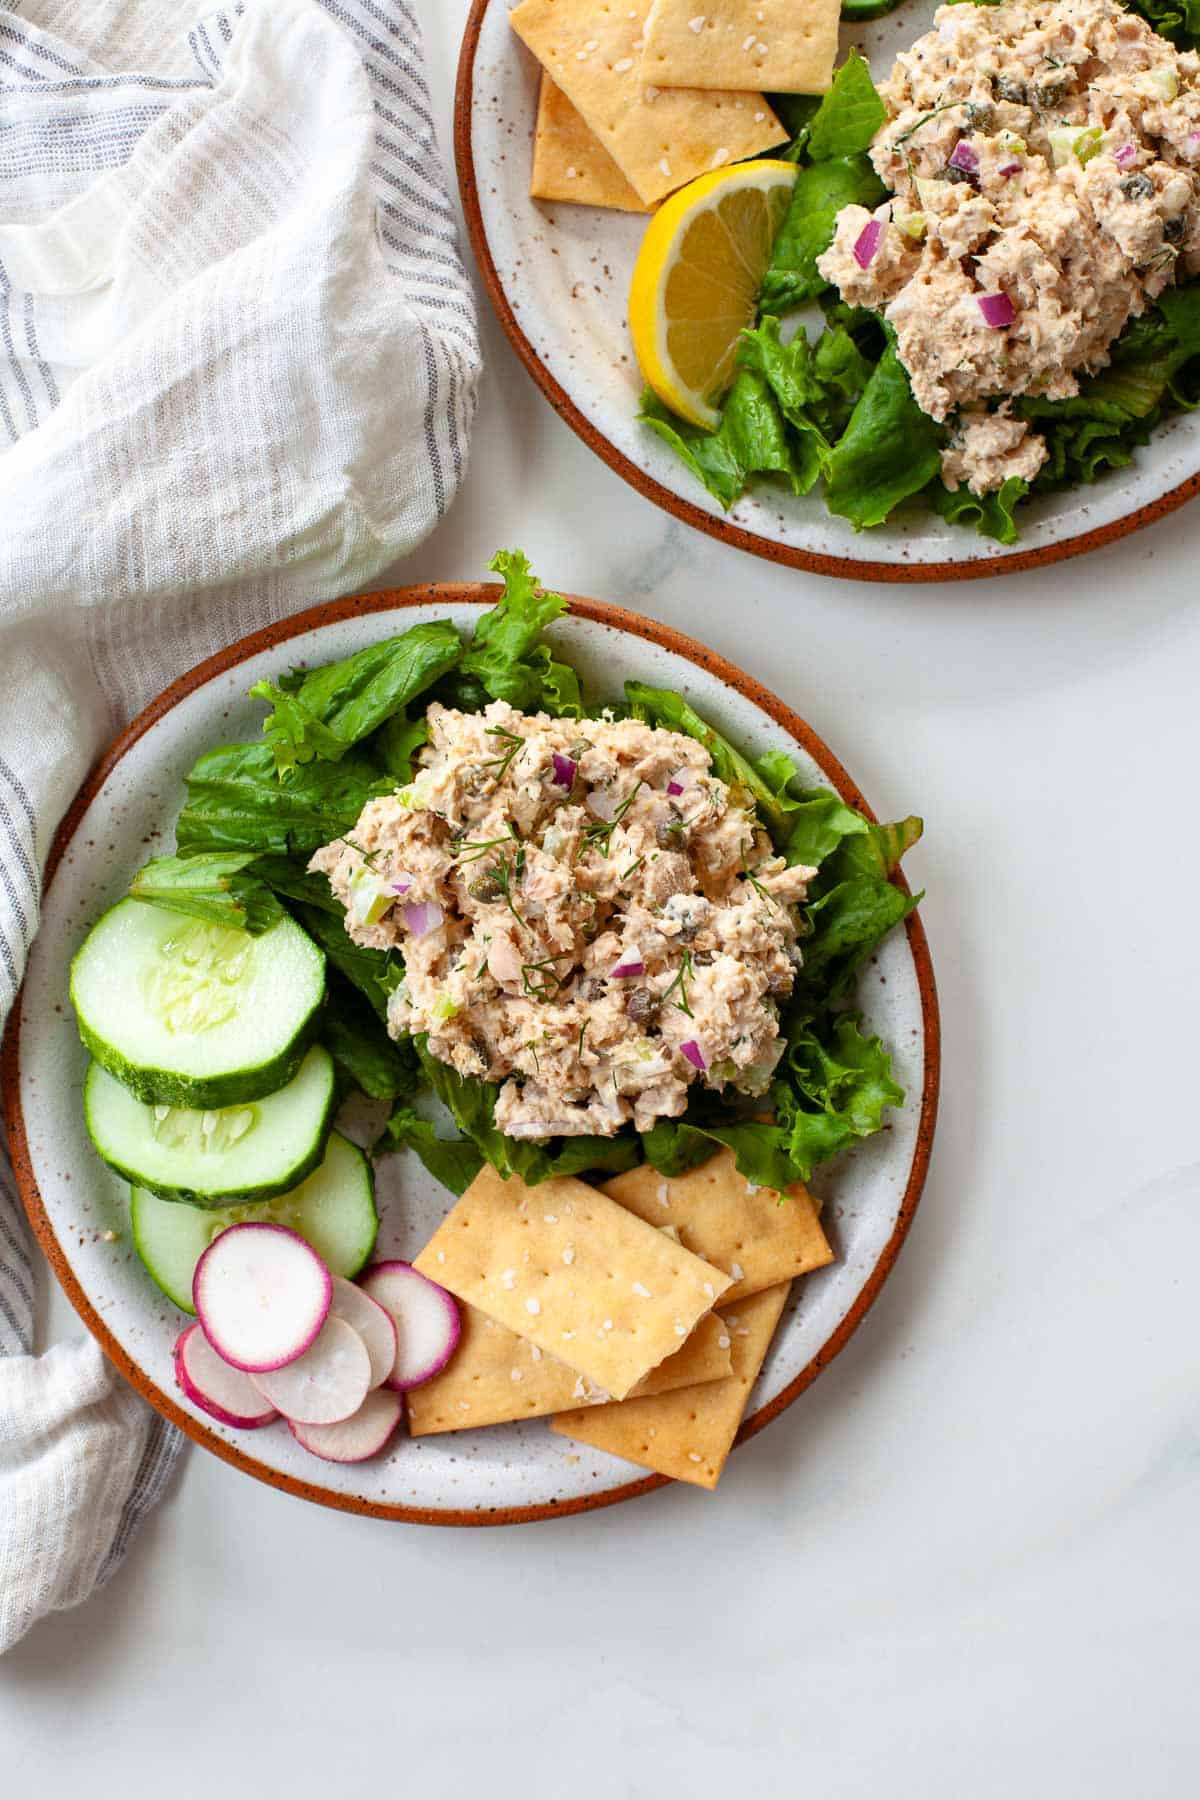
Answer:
[(334, 1211), (187, 1013), (218, 1156)]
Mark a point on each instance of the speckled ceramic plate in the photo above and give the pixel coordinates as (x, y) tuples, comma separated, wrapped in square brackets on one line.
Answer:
[(558, 277), (80, 1210)]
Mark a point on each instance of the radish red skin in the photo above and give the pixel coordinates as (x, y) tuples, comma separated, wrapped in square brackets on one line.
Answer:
[(208, 1273), (358, 1438), (183, 1380), (381, 1278)]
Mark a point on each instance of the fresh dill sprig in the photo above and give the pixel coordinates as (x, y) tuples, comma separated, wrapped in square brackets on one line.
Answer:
[(683, 976), (601, 832), (758, 887), (502, 762), (541, 980), (478, 847)]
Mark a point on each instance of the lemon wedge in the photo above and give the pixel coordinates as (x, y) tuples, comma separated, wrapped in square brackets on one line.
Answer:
[(696, 281)]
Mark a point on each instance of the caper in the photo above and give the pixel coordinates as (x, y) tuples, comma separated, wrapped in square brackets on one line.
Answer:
[(1137, 187), (643, 1006), (487, 886), (1050, 92), (979, 115), (1173, 229), (670, 834), (1009, 88)]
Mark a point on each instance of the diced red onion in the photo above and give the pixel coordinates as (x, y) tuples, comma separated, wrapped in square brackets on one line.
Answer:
[(965, 157), (1193, 143), (1011, 168), (602, 803), (401, 884), (997, 309), (694, 1054), (631, 963), (565, 768), (674, 787), (1128, 152), (867, 243), (423, 916)]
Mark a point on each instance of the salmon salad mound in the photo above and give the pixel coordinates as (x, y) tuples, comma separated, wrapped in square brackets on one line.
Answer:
[(586, 914), (1044, 158)]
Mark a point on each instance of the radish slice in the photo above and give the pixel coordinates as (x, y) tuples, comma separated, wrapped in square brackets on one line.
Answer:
[(374, 1326), (354, 1439), (328, 1383), (262, 1295), (209, 1383), (426, 1320)]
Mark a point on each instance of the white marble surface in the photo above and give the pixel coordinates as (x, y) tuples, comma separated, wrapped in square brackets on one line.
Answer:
[(965, 1564)]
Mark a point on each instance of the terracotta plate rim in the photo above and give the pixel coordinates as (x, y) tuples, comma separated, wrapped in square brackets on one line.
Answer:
[(397, 600), (815, 562)]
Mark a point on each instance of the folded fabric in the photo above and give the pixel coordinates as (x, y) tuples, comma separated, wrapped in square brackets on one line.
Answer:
[(238, 363)]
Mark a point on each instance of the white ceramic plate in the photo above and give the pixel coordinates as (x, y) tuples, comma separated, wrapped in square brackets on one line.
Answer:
[(127, 811), (559, 275)]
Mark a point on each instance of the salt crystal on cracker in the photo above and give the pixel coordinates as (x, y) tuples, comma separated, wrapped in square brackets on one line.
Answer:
[(641, 126), (689, 1432), (758, 1238), (793, 53), (569, 161), (495, 1376)]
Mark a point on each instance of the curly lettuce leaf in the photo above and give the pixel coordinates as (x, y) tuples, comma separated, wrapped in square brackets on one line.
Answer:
[(336, 706), (507, 658), (455, 1162), (671, 712), (889, 451), (795, 113), (822, 824), (215, 885), (849, 114), (1178, 20), (834, 1086), (288, 877), (821, 191), (367, 1058), (991, 514), (396, 743), (472, 1106), (838, 1087), (844, 926), (790, 371), (751, 439), (1154, 367), (236, 802), (375, 973)]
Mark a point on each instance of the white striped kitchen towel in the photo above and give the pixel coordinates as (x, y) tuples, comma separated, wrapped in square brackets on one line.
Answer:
[(238, 362)]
